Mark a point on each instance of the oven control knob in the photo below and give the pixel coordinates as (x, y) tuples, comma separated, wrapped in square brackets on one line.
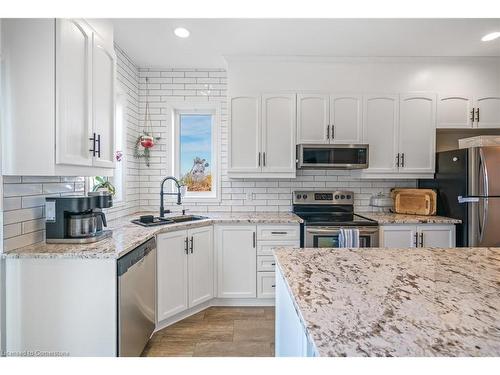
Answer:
[(299, 196), (304, 196), (342, 196), (337, 196), (348, 197)]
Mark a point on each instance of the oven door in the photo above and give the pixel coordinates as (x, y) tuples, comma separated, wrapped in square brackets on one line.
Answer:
[(329, 236)]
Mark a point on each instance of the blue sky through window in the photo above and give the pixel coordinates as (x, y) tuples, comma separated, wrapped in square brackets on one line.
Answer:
[(195, 140)]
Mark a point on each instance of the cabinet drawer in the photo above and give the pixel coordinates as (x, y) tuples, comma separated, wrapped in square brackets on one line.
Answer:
[(266, 263), (265, 284), (278, 232), (266, 247)]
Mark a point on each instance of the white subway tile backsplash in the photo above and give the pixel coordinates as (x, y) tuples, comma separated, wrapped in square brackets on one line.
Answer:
[(18, 216), (19, 189)]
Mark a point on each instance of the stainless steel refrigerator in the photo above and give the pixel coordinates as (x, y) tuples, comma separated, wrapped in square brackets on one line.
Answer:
[(467, 183)]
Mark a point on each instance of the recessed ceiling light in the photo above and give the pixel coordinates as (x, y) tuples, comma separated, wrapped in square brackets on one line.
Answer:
[(181, 32), (491, 36)]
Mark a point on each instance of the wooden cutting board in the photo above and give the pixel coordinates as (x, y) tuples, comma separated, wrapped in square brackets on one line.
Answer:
[(414, 201)]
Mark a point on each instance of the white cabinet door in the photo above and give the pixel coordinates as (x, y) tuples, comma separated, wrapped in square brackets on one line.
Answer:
[(236, 261), (312, 118), (200, 265), (245, 134), (417, 133), (397, 236), (278, 132), (103, 103), (73, 93), (489, 111), (454, 111), (345, 118), (172, 271), (434, 235), (380, 131)]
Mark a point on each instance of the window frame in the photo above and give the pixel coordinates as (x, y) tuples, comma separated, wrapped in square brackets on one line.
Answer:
[(121, 97), (177, 109)]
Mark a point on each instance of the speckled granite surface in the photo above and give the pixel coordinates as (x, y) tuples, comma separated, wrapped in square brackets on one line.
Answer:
[(397, 302), (389, 218), (126, 235)]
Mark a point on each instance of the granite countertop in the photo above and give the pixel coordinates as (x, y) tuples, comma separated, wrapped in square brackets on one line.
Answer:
[(391, 218), (397, 302), (126, 235)]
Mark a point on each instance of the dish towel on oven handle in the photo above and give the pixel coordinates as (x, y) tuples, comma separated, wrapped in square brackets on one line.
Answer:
[(349, 237)]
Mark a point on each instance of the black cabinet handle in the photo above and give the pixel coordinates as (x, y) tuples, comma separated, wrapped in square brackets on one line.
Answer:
[(333, 131), (259, 159), (416, 239), (397, 160), (92, 150), (98, 145), (421, 239), (273, 286), (472, 115), (279, 232), (273, 264), (403, 159), (264, 159), (328, 132), (192, 244), (477, 115)]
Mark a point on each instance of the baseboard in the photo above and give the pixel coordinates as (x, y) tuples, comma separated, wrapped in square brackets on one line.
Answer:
[(234, 302)]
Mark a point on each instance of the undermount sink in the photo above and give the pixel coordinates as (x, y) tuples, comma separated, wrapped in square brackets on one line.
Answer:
[(168, 220), (184, 218)]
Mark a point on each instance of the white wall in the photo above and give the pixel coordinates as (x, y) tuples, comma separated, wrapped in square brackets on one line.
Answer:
[(467, 75), (209, 85)]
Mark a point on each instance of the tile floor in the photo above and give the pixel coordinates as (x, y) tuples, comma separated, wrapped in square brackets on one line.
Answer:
[(217, 332)]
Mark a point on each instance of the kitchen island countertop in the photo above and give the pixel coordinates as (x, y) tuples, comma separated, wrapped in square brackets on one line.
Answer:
[(396, 302)]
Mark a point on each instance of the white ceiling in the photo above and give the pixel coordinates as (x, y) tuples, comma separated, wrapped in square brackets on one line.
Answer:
[(151, 42)]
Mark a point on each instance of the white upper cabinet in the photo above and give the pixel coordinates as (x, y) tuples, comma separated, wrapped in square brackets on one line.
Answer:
[(323, 118), (345, 119), (245, 134), (487, 111), (380, 130), (400, 130), (262, 136), (454, 111), (417, 133), (278, 133), (73, 96), (466, 112), (313, 118), (103, 102)]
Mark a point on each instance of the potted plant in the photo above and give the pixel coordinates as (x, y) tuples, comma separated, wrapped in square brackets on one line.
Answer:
[(103, 183)]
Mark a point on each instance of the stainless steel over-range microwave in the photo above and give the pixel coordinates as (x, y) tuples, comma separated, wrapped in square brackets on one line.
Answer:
[(332, 156)]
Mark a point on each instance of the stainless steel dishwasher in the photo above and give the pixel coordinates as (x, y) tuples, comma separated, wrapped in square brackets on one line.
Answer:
[(136, 299)]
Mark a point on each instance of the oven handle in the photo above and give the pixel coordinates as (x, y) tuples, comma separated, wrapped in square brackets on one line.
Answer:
[(336, 229)]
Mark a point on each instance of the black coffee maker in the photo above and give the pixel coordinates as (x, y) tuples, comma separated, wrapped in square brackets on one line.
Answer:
[(77, 219)]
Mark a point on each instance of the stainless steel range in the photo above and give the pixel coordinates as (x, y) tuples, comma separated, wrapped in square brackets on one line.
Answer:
[(325, 212)]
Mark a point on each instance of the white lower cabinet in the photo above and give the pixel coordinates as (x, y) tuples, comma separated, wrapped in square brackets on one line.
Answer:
[(236, 260), (245, 260), (184, 269), (291, 338), (422, 235)]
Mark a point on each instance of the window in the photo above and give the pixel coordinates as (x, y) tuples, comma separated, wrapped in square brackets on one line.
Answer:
[(195, 152)]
